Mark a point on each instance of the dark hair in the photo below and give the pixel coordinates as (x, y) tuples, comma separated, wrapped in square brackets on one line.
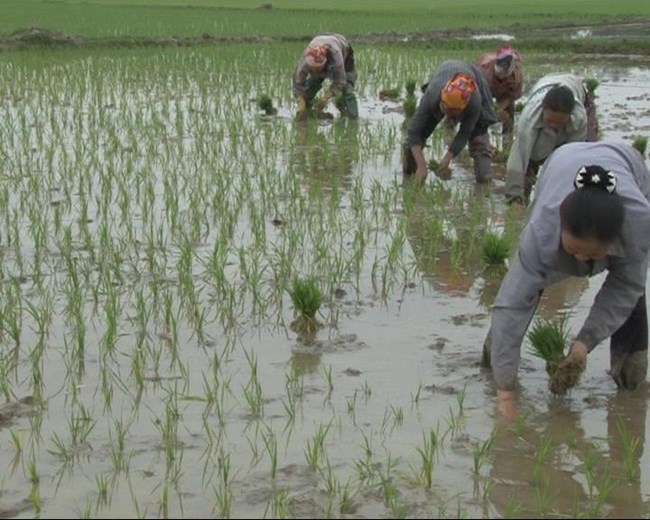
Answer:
[(559, 99), (593, 210)]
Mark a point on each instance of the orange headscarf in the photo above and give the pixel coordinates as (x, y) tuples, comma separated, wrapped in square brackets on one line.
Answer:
[(458, 90), (316, 55)]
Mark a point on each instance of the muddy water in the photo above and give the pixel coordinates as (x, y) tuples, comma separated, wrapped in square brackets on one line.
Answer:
[(375, 382)]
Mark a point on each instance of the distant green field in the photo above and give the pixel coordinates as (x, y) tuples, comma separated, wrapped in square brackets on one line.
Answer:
[(293, 18)]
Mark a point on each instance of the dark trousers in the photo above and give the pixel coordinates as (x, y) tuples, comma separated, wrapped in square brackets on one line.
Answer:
[(628, 348)]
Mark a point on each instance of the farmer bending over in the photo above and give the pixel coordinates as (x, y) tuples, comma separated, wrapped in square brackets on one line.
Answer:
[(559, 110), (503, 72), (458, 90), (590, 213), (328, 56)]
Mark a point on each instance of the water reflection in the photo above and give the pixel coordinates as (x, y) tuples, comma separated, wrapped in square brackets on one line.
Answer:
[(446, 244), (562, 468), (325, 154)]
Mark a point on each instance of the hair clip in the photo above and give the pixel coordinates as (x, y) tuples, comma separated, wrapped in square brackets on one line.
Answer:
[(595, 176)]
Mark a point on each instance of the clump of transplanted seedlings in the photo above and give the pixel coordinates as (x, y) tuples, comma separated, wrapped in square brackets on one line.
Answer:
[(409, 106), (591, 84), (411, 84), (307, 298), (389, 93), (495, 248), (549, 339), (265, 103), (640, 144)]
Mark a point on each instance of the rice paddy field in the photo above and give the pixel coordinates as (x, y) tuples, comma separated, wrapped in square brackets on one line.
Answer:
[(156, 226)]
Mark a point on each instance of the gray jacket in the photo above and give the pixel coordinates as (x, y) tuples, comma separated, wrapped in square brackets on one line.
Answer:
[(338, 49), (478, 114), (541, 261)]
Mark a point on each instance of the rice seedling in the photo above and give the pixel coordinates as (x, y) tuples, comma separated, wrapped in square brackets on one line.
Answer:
[(481, 451), (640, 143), (428, 453), (265, 103), (495, 248), (591, 84), (409, 105), (389, 93), (411, 84), (307, 299), (631, 446)]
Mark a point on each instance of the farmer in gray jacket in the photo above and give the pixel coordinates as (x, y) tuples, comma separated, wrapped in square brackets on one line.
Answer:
[(457, 90), (558, 110), (328, 56), (580, 224)]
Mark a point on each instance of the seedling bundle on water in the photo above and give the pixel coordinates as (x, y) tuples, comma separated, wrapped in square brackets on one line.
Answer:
[(307, 298), (265, 103), (495, 249), (548, 339)]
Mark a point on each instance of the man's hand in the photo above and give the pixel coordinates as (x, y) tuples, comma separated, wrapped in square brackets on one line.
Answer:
[(443, 171), (507, 404), (322, 102)]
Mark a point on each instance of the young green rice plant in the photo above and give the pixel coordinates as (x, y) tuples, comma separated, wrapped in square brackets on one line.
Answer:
[(409, 105), (428, 453), (640, 143), (495, 248), (265, 103), (411, 84), (481, 451), (591, 84), (316, 446), (307, 299), (389, 93), (631, 446)]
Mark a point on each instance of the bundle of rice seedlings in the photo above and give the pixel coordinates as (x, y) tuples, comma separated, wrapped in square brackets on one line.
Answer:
[(410, 87), (592, 85), (265, 103), (640, 144), (339, 103), (519, 106), (495, 248), (548, 339), (433, 165), (409, 105), (307, 298)]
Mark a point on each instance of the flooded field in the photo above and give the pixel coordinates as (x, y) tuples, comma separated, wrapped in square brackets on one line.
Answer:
[(151, 224)]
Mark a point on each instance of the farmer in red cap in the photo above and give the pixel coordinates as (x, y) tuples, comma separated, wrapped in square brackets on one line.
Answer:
[(503, 72), (457, 90), (328, 56)]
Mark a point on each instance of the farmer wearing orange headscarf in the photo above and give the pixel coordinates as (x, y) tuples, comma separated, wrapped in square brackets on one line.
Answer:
[(328, 56), (457, 90), (503, 72)]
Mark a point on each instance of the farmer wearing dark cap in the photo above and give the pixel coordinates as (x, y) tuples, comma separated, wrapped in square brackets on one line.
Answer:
[(457, 90), (503, 72), (328, 56)]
